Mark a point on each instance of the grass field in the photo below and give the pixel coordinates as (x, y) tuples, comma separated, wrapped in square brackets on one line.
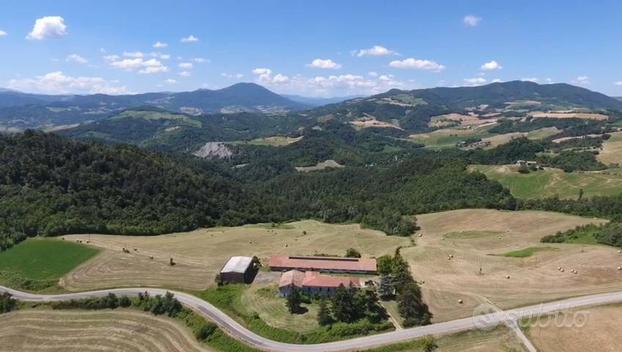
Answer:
[(554, 182), (498, 340), (120, 330), (527, 252), (479, 238), (602, 332), (43, 260), (612, 150), (448, 137), (275, 141), (200, 254)]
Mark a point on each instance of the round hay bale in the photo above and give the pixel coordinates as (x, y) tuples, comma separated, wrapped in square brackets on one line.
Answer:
[(562, 270), (460, 301), (507, 276), (620, 268)]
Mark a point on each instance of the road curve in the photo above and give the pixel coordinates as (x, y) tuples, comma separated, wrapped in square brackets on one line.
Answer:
[(361, 343)]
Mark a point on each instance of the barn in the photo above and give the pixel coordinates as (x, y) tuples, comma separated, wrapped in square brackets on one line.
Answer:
[(238, 270), (324, 264), (314, 284)]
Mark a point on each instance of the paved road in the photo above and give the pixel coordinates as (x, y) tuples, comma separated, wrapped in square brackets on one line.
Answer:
[(241, 333)]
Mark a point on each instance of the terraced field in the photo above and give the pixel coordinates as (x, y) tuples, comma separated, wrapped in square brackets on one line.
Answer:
[(81, 331), (554, 182), (199, 255)]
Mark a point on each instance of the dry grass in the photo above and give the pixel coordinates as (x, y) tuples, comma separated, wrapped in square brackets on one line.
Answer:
[(80, 331), (275, 141), (454, 119), (569, 115), (602, 333), (500, 339), (478, 238), (371, 121), (328, 164), (200, 254), (612, 150)]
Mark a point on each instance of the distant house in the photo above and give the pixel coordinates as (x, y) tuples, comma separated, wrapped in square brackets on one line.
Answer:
[(324, 264), (313, 283), (238, 270), (526, 163)]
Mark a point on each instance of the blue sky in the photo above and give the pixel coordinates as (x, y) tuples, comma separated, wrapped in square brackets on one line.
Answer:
[(319, 48)]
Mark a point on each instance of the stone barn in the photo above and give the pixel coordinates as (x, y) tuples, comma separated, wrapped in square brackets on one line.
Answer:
[(238, 270)]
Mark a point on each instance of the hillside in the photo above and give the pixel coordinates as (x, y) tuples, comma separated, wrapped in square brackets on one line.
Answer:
[(21, 110)]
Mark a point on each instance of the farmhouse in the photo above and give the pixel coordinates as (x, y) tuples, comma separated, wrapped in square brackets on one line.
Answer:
[(313, 283), (238, 270), (324, 264)]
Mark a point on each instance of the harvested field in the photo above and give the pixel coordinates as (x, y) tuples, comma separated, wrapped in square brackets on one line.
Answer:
[(200, 254), (612, 150), (458, 120), (371, 121), (602, 333), (554, 182), (488, 235), (275, 141), (79, 331), (569, 115), (448, 137)]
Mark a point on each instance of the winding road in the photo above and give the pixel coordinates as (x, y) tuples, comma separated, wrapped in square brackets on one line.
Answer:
[(482, 321)]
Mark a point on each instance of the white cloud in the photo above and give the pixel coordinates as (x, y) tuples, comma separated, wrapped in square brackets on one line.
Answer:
[(471, 21), (531, 79), (496, 80), (59, 83), (159, 45), (75, 58), (3, 33), (189, 39), (324, 64), (160, 56), (618, 83), (48, 27), (372, 74), (136, 64), (232, 75), (186, 65), (582, 80), (376, 50), (417, 64), (170, 81), (199, 60), (185, 74), (491, 66), (476, 81), (133, 54), (265, 76)]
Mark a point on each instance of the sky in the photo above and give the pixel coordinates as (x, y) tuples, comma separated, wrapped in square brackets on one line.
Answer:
[(312, 48)]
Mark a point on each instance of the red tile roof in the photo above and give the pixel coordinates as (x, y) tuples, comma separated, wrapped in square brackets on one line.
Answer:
[(323, 264), (315, 279)]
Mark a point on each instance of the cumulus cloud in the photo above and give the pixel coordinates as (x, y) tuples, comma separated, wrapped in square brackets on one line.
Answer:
[(491, 66), (265, 76), (471, 20), (133, 54), (189, 39), (77, 59), (186, 65), (199, 60), (618, 83), (324, 64), (3, 33), (376, 50), (531, 79), (185, 74), (138, 64), (582, 80), (476, 81), (417, 64), (170, 81), (159, 45), (232, 75), (59, 83), (48, 27)]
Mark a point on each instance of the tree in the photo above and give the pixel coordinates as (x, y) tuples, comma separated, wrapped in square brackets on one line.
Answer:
[(7, 303), (352, 253), (323, 315), (385, 264), (386, 290), (429, 344), (294, 300), (411, 306), (344, 309)]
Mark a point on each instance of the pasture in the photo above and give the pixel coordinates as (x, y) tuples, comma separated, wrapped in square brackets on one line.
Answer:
[(42, 261), (106, 330), (554, 182), (449, 264), (275, 141), (612, 150), (601, 332), (200, 254)]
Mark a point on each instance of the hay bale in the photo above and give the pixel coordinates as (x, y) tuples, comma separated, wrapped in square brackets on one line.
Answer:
[(507, 276), (460, 301)]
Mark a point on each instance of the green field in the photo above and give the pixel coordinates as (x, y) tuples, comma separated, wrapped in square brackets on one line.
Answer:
[(554, 182), (526, 252), (39, 263)]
